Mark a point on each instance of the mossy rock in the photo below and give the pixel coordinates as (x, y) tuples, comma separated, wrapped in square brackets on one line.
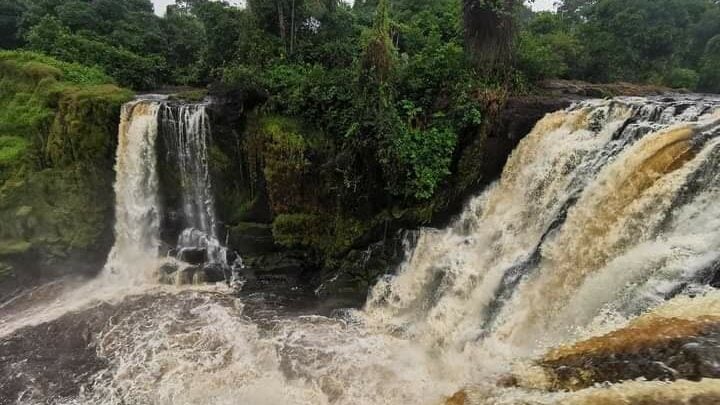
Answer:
[(252, 239), (6, 271), (190, 96), (58, 134), (14, 247), (330, 236)]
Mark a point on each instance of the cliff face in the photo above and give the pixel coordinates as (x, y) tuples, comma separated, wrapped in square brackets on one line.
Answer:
[(58, 126), (280, 197)]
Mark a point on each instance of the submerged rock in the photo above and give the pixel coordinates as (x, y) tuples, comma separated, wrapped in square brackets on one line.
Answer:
[(174, 273)]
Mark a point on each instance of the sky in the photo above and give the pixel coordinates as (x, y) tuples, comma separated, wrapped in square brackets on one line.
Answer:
[(539, 5), (543, 5)]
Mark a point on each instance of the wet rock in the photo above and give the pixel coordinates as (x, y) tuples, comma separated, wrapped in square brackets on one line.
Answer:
[(360, 269), (282, 270), (186, 276), (706, 392), (594, 90), (194, 256), (507, 381), (460, 398), (212, 273), (252, 239), (167, 273), (665, 349)]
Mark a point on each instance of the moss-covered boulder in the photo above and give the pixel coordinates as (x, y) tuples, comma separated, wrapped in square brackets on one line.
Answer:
[(58, 133)]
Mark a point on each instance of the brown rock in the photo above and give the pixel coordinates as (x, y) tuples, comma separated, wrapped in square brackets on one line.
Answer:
[(460, 398), (656, 348)]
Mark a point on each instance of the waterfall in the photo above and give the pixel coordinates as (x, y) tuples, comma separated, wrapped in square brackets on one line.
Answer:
[(185, 130), (607, 207), (137, 223)]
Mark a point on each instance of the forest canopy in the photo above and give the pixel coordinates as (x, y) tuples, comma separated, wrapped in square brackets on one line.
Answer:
[(665, 42)]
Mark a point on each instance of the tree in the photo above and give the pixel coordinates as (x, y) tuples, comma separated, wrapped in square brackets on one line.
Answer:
[(710, 68), (49, 36), (574, 11), (223, 28), (185, 46), (489, 33), (11, 12)]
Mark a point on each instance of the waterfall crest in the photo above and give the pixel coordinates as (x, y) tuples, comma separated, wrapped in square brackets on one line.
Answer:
[(185, 131)]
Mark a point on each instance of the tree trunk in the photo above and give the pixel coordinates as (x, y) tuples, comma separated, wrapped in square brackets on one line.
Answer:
[(292, 28), (281, 24), (489, 33)]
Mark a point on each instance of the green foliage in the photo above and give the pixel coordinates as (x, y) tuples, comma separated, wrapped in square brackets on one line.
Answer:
[(549, 48), (62, 209), (420, 160), (285, 163), (318, 95), (58, 125), (645, 41), (70, 72), (330, 236), (681, 78), (538, 60), (710, 66), (12, 148), (185, 47), (130, 69)]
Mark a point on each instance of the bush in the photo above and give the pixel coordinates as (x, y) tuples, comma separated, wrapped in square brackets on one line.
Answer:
[(418, 160), (330, 236), (69, 72), (538, 60), (128, 68), (680, 78), (710, 70)]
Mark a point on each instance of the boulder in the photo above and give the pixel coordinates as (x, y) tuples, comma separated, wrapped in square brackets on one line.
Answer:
[(657, 348), (252, 239), (213, 273), (194, 256)]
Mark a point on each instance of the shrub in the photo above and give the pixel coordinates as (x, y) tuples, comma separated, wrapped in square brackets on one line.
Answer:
[(680, 78), (710, 71)]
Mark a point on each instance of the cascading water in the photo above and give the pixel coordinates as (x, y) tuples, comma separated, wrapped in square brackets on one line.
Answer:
[(186, 131), (608, 206), (137, 224), (605, 214)]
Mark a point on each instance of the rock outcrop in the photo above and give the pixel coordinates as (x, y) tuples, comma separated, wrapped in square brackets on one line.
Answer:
[(58, 134)]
